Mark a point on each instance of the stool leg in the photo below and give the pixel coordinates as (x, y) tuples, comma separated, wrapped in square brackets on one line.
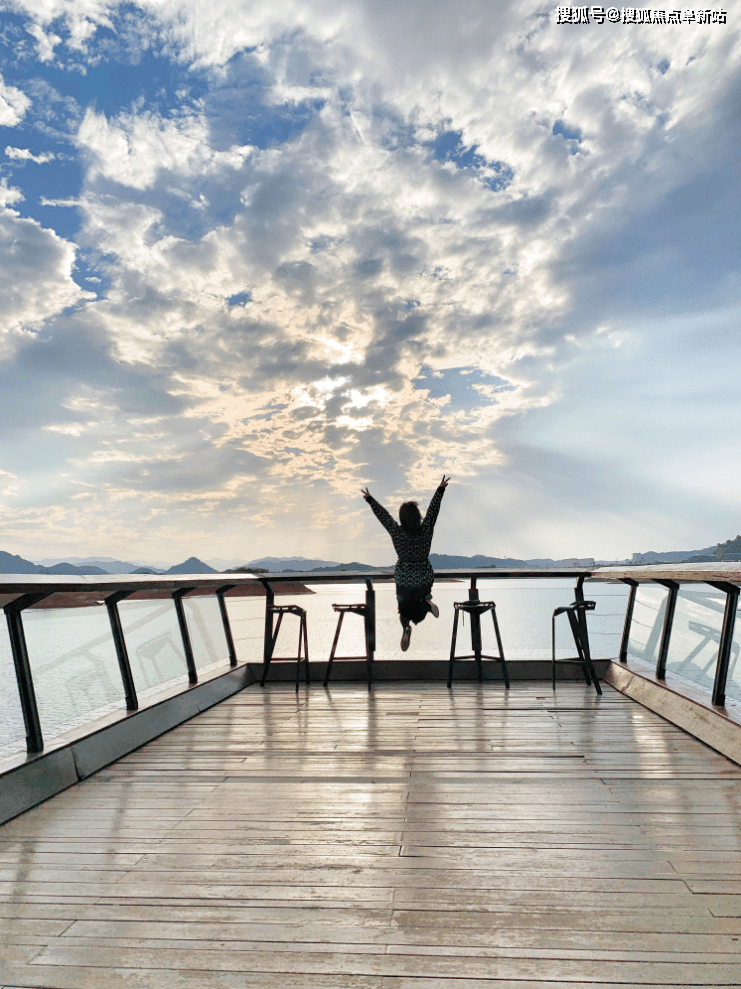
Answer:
[(500, 647), (333, 649), (576, 632), (270, 649), (304, 622), (553, 649), (582, 648), (476, 643), (452, 648), (368, 643), (370, 626), (298, 653)]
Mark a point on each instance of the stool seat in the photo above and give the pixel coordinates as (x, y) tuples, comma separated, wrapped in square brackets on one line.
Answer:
[(367, 611), (480, 606), (576, 614), (271, 637), (475, 609)]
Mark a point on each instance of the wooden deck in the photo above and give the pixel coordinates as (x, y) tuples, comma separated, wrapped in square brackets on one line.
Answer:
[(411, 838)]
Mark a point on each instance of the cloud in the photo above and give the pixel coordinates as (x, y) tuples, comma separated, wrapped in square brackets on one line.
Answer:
[(35, 276), (441, 226), (13, 105), (23, 154)]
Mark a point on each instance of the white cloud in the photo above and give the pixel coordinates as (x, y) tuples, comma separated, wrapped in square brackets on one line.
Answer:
[(13, 105), (365, 258), (35, 277), (9, 194), (23, 154), (136, 147)]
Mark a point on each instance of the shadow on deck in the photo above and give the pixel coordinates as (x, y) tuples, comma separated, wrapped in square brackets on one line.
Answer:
[(410, 838)]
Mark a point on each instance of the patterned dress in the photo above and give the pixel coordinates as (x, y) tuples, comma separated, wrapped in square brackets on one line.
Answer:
[(413, 568)]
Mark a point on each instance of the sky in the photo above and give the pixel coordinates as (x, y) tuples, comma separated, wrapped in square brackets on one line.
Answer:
[(258, 255)]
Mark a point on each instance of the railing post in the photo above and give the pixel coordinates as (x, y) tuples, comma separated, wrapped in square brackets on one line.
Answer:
[(625, 641), (671, 603), (177, 597), (122, 655), (726, 640), (225, 620), (34, 736), (370, 618), (267, 646)]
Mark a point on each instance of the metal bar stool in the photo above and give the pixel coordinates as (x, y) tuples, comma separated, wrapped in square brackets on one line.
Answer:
[(576, 614), (475, 609), (271, 636), (368, 613)]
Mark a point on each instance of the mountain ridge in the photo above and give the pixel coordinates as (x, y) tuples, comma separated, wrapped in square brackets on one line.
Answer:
[(14, 564)]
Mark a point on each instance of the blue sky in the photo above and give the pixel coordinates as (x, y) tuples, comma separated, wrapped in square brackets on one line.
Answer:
[(257, 256)]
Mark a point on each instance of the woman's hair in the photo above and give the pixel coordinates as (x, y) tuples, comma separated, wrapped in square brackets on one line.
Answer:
[(410, 515)]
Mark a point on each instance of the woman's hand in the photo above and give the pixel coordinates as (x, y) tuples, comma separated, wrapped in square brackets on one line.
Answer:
[(365, 493), (445, 481)]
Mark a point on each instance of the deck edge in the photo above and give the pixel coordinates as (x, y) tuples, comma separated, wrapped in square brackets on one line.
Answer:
[(715, 726), (36, 778)]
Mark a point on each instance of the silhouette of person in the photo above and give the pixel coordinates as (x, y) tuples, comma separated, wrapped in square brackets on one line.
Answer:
[(413, 574)]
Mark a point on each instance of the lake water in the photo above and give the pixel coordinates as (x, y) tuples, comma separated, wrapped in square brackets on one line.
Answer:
[(76, 674)]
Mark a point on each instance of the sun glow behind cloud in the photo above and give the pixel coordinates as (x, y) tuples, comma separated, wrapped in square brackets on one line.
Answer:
[(255, 261)]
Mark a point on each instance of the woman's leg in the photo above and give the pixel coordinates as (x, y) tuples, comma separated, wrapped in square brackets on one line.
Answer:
[(413, 604)]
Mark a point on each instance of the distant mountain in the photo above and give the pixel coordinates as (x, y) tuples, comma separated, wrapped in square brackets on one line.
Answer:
[(277, 564), (221, 564), (729, 550), (442, 562), (16, 564), (69, 568), (673, 556), (106, 563), (345, 566), (191, 565)]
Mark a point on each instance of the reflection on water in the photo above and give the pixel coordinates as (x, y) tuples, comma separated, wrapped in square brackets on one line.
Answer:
[(76, 674)]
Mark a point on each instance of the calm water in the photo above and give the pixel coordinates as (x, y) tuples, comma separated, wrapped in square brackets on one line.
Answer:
[(76, 673)]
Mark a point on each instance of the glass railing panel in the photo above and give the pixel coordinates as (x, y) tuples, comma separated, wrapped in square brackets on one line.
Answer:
[(733, 683), (73, 661), (695, 636), (13, 734), (154, 643), (647, 624), (606, 622), (525, 610), (206, 630), (247, 622)]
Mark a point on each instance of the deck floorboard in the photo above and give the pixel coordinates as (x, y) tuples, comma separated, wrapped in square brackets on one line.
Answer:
[(410, 838)]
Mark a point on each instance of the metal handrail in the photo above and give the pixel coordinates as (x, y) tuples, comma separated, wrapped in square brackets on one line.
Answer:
[(26, 590)]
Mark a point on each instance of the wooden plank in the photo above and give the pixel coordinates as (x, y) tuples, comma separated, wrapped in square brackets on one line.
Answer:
[(413, 837)]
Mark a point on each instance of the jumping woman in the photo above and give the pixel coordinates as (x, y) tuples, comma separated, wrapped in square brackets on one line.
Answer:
[(412, 538)]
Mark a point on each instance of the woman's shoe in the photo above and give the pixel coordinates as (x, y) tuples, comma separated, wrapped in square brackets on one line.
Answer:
[(434, 609), (405, 638)]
